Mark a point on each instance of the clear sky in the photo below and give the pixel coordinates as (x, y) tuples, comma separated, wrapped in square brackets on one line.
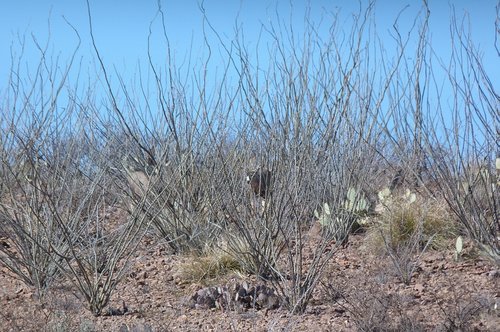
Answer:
[(121, 27)]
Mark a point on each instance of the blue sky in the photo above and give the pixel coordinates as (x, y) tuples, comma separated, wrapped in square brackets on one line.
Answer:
[(121, 27)]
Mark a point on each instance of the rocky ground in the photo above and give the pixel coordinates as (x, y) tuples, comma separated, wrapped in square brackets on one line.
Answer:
[(359, 290)]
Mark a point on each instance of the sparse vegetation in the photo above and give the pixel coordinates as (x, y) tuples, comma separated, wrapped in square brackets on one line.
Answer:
[(401, 216), (206, 269), (84, 186)]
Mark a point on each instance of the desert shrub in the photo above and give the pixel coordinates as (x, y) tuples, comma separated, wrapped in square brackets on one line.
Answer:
[(171, 194), (312, 119), (54, 213), (403, 215), (203, 269), (34, 198), (453, 148), (62, 322), (372, 310), (356, 206), (244, 249), (405, 227), (461, 309)]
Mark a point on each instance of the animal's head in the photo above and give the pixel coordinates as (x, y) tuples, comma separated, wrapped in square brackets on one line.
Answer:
[(260, 181)]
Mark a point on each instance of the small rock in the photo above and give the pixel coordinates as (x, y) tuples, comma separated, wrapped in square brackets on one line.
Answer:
[(262, 300), (419, 288), (339, 311), (494, 274), (273, 302), (123, 328)]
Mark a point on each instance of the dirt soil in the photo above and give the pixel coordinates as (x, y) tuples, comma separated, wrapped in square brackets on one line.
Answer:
[(359, 290)]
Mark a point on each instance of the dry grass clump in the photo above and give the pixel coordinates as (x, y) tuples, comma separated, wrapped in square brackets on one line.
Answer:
[(203, 269), (401, 217)]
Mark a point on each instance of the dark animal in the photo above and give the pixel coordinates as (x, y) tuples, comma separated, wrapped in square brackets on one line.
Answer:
[(260, 182), (397, 180)]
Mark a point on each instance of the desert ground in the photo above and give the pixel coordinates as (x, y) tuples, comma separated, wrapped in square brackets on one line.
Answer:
[(360, 290)]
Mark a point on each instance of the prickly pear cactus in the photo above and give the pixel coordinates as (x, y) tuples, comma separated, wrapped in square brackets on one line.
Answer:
[(410, 197), (325, 218), (458, 248), (348, 216), (356, 202), (338, 227), (385, 194)]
